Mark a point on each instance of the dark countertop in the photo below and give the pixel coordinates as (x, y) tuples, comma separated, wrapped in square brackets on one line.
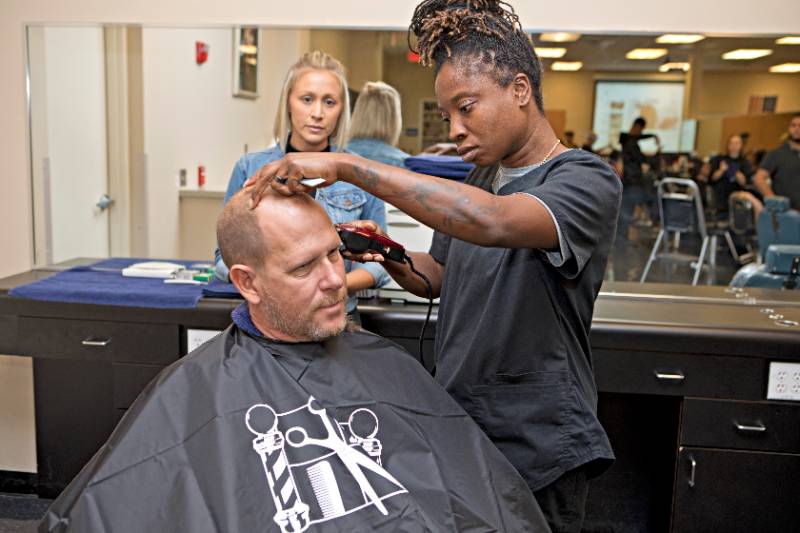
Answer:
[(653, 316)]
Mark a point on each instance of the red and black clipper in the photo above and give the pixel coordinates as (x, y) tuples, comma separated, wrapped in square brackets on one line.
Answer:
[(359, 240)]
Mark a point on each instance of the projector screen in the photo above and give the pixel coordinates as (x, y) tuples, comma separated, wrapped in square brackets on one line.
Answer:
[(618, 103)]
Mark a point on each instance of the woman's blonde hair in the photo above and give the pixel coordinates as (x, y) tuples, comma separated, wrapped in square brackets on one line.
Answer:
[(377, 114), (318, 60)]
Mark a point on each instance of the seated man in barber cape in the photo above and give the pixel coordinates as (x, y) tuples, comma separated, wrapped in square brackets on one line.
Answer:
[(291, 420)]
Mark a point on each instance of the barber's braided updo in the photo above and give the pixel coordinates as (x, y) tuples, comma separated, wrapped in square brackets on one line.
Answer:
[(484, 30)]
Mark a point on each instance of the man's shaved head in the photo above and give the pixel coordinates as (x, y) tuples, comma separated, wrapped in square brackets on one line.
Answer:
[(239, 229)]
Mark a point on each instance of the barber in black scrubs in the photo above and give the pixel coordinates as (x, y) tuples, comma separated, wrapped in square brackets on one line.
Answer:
[(517, 264)]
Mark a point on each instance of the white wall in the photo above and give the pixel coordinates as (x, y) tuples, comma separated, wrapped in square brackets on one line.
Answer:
[(191, 117)]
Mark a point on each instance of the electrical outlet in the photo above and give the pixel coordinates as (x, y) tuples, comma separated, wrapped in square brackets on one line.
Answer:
[(784, 381)]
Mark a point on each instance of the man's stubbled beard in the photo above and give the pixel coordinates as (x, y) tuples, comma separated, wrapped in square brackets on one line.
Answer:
[(302, 327)]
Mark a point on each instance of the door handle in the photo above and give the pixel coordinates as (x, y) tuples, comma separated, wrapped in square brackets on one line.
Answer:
[(693, 470), (758, 427), (670, 377), (92, 341), (105, 202)]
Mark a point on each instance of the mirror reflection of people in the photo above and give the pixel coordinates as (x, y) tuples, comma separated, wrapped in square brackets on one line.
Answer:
[(634, 193), (730, 173), (588, 145), (517, 265), (779, 172), (314, 116), (377, 123)]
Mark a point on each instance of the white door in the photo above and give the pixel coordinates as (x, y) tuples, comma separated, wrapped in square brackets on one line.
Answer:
[(68, 143)]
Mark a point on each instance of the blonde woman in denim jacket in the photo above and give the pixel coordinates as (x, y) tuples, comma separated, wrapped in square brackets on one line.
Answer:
[(314, 116)]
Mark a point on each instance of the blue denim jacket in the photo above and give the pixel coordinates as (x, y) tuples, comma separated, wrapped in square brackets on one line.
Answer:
[(342, 202), (377, 151)]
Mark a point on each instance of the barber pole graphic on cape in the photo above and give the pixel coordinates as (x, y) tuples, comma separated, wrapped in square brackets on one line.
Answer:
[(319, 469)]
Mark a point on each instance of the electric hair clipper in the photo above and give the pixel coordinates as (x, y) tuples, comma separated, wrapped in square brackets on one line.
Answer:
[(359, 240)]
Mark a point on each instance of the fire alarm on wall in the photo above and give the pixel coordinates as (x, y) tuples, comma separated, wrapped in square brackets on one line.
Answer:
[(201, 50)]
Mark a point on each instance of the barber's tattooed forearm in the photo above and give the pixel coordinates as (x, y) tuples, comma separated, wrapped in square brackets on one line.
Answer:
[(446, 199), (366, 176)]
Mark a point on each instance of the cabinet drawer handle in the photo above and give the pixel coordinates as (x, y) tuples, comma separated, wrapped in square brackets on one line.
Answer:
[(394, 212), (91, 341), (671, 377), (744, 428), (692, 472)]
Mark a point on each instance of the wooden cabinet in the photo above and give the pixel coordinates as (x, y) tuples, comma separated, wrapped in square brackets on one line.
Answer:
[(738, 467), (86, 375), (736, 491)]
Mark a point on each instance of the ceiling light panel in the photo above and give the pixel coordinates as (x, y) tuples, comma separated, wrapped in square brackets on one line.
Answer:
[(559, 37), (550, 52), (567, 66), (746, 54), (666, 67), (679, 38), (646, 53), (788, 40), (785, 68)]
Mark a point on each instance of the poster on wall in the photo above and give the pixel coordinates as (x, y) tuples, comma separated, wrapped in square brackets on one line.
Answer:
[(246, 46), (618, 103)]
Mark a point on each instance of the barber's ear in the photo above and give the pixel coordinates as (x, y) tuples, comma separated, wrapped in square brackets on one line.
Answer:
[(245, 280), (521, 87)]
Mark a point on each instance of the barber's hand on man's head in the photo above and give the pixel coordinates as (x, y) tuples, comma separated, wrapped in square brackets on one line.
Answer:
[(285, 175), (367, 256)]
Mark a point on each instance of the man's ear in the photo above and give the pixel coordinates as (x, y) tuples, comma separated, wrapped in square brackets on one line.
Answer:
[(245, 280), (522, 90)]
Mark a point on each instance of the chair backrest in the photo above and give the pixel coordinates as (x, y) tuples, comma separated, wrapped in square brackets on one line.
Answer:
[(741, 214), (681, 206)]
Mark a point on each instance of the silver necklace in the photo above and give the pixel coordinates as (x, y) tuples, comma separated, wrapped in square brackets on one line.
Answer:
[(532, 167)]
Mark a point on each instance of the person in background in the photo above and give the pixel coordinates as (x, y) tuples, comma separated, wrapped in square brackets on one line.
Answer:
[(569, 139), (633, 192), (314, 116), (377, 123), (588, 145), (779, 172), (747, 153), (731, 173), (615, 160), (703, 172)]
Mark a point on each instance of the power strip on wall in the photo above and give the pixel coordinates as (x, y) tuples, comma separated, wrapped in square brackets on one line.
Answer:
[(784, 381)]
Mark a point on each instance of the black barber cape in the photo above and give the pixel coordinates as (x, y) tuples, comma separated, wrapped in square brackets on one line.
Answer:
[(251, 435)]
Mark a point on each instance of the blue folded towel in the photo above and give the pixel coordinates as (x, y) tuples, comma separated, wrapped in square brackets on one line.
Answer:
[(102, 283), (220, 289), (445, 166)]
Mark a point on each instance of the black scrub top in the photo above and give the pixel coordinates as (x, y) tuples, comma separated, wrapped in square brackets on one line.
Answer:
[(512, 340)]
